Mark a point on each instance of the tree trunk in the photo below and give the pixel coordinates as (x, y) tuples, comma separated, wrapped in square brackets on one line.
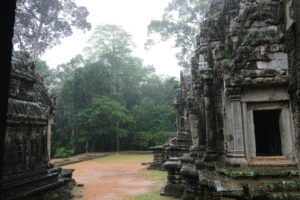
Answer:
[(93, 146), (35, 45), (117, 143), (87, 146), (117, 140)]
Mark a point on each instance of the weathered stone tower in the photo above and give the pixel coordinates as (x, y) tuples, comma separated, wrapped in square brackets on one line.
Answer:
[(242, 105), (28, 174)]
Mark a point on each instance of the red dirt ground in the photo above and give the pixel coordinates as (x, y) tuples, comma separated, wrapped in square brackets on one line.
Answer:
[(111, 181)]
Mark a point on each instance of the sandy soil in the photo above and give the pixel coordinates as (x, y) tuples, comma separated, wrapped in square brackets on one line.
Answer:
[(111, 181)]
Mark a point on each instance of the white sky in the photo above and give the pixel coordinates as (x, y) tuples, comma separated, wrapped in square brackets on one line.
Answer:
[(133, 16)]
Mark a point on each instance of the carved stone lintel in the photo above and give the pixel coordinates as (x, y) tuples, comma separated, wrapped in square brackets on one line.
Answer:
[(234, 93)]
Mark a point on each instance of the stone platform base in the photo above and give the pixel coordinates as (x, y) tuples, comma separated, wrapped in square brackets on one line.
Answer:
[(54, 185), (249, 183)]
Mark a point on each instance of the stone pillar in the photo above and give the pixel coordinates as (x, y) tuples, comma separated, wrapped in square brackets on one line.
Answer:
[(208, 125), (202, 123), (194, 128), (50, 123), (210, 135), (237, 155)]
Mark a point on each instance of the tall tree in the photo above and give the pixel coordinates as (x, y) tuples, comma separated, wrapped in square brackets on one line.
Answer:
[(112, 45), (113, 101), (54, 78), (85, 84), (104, 116), (40, 24), (109, 42), (65, 72), (180, 21), (48, 74)]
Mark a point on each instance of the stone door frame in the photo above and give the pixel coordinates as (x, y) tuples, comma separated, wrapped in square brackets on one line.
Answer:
[(285, 126)]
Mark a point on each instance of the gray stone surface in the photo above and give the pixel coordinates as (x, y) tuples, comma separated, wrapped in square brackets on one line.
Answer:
[(27, 172), (253, 58)]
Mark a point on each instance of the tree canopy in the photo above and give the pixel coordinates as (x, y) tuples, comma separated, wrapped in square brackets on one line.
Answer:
[(110, 101), (40, 24), (180, 21)]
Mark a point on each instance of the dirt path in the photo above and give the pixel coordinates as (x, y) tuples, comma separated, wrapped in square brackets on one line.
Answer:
[(112, 180)]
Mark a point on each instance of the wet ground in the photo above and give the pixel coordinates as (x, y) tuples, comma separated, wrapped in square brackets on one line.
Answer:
[(113, 178)]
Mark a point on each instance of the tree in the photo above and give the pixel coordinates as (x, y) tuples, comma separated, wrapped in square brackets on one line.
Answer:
[(77, 125), (109, 42), (40, 24), (54, 78), (48, 74), (66, 71), (112, 45), (112, 101), (104, 116), (181, 21)]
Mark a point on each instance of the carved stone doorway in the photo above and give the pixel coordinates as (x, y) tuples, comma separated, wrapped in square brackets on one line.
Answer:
[(268, 128), (267, 132)]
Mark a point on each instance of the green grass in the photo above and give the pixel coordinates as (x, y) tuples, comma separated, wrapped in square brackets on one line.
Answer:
[(125, 158), (154, 196), (155, 175)]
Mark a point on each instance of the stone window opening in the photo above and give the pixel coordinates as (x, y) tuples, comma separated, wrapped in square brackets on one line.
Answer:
[(202, 64), (267, 132)]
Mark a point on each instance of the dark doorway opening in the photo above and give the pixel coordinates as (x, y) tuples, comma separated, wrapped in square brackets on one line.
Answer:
[(267, 133)]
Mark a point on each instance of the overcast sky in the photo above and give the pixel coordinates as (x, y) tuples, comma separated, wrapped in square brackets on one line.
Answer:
[(133, 16)]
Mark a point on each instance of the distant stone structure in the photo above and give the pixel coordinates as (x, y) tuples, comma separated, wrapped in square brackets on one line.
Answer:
[(241, 106), (162, 153), (28, 174), (158, 157)]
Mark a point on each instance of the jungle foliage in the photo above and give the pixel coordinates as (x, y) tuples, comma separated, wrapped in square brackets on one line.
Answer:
[(41, 24), (181, 21), (109, 101)]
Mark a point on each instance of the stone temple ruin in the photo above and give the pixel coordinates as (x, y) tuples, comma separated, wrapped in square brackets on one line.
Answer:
[(238, 114), (27, 172)]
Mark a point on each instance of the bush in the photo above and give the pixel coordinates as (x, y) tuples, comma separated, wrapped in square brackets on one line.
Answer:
[(160, 137), (63, 153)]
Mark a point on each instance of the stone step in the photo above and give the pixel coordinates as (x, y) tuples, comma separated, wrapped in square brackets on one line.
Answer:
[(259, 172), (263, 188), (283, 186), (272, 161), (284, 196), (288, 189), (270, 158), (273, 164)]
